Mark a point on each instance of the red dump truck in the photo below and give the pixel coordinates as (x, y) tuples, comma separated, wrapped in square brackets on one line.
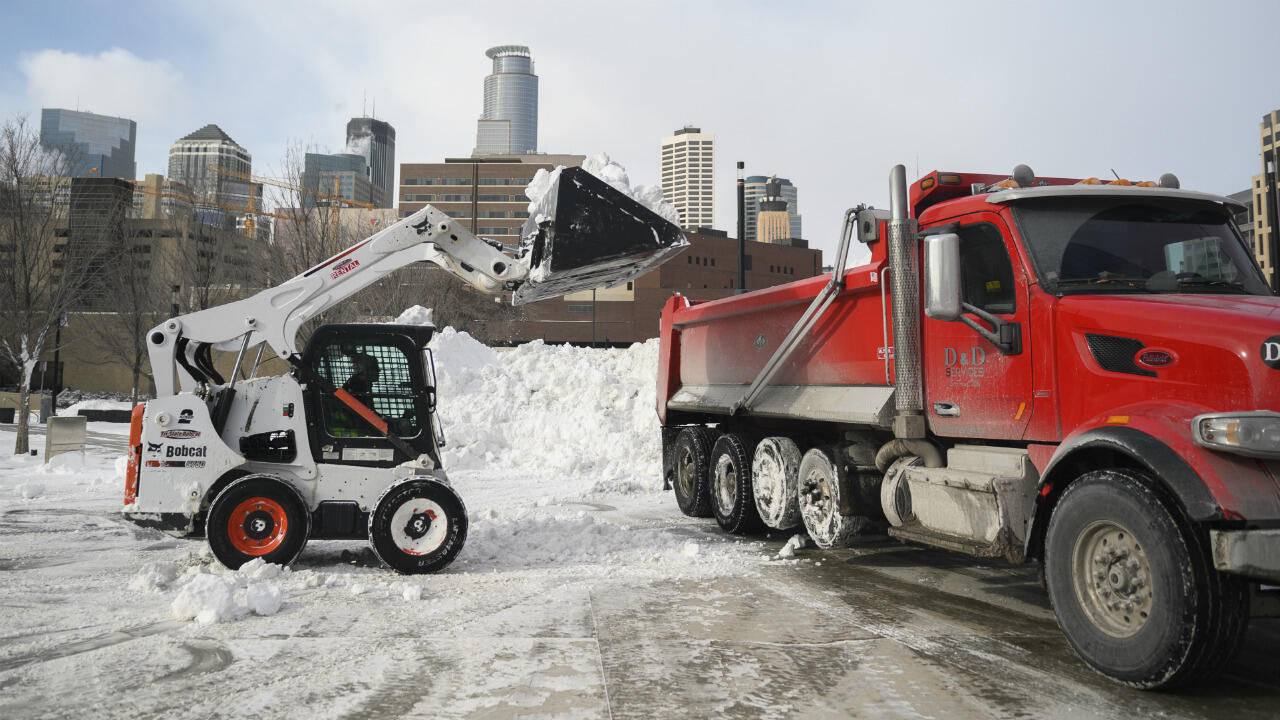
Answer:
[(1078, 372)]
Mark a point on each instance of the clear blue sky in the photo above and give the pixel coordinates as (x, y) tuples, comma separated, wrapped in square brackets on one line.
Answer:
[(827, 94)]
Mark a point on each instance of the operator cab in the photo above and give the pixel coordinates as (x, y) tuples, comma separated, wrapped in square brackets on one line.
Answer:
[(388, 369)]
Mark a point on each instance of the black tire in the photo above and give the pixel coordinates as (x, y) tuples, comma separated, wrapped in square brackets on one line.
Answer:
[(418, 526), (257, 516), (733, 501), (691, 458), (826, 500), (1133, 585)]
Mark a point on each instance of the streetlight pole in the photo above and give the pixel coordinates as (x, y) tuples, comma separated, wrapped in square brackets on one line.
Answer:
[(742, 229)]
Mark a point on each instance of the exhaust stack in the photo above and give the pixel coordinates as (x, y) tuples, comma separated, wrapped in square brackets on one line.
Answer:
[(909, 421)]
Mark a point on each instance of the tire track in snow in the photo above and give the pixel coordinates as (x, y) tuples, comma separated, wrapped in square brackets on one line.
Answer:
[(206, 657), (83, 646)]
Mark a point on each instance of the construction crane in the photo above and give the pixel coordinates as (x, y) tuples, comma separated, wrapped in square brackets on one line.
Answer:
[(249, 212)]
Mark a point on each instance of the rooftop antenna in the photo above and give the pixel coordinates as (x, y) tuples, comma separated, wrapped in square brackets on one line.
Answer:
[(364, 104), (1113, 172)]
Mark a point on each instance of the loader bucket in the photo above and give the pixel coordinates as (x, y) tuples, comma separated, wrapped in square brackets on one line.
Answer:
[(586, 234)]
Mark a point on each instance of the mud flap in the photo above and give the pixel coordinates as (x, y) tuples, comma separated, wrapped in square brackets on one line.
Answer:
[(586, 234)]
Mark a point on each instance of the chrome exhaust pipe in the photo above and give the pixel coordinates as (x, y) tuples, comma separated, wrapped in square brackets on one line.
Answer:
[(904, 285)]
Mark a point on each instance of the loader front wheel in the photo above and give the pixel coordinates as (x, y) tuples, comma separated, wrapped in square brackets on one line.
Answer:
[(692, 459), (257, 517), (418, 526)]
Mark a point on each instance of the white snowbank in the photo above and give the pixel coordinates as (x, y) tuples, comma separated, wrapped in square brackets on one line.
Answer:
[(75, 408), (416, 315), (585, 415)]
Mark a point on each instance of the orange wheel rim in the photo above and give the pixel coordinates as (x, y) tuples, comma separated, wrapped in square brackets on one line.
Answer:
[(257, 526)]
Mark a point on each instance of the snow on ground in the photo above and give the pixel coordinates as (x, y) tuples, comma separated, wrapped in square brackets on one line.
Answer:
[(555, 450)]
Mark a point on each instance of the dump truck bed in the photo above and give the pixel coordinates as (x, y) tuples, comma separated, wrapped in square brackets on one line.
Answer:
[(841, 371)]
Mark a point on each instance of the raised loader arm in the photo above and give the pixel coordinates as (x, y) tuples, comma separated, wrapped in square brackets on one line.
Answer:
[(591, 236)]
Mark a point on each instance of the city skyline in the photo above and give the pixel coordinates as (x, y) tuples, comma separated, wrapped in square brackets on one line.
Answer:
[(1051, 87)]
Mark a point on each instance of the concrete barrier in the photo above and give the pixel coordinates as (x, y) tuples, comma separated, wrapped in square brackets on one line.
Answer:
[(64, 435), (38, 404)]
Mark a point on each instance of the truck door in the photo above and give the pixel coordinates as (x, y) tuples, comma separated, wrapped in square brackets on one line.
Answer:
[(972, 389)]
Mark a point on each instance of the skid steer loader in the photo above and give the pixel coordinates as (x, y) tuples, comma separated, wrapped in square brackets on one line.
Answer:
[(347, 445)]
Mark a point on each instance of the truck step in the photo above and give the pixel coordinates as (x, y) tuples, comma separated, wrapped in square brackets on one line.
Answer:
[(915, 533), (1005, 462)]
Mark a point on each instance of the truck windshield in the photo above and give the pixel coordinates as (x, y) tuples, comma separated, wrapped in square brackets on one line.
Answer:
[(1126, 244)]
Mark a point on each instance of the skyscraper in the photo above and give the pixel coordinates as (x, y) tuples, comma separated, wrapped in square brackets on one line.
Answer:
[(343, 174), (754, 190), (509, 125), (191, 162), (375, 140), (1266, 199), (773, 222), (95, 145), (688, 175)]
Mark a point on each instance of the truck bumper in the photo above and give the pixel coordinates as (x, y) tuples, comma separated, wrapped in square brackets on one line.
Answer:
[(1254, 553)]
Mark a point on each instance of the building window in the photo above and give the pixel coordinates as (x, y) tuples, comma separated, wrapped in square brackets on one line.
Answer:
[(579, 308)]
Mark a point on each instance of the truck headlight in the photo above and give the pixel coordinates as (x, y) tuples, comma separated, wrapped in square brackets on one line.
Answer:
[(1253, 434)]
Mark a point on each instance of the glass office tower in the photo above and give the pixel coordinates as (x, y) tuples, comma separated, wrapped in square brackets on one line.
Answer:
[(509, 125), (94, 145), (375, 140)]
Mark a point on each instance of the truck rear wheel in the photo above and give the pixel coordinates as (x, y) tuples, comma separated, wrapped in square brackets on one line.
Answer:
[(1133, 586), (825, 497), (692, 460), (418, 526), (257, 517), (732, 499), (775, 474)]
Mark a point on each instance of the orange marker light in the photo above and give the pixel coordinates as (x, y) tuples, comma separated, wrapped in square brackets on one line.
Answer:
[(1118, 420)]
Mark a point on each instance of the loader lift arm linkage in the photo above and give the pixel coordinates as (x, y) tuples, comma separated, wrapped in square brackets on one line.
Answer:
[(275, 314)]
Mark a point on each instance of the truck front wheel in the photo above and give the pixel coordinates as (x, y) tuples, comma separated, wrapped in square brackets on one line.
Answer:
[(692, 458), (1133, 586)]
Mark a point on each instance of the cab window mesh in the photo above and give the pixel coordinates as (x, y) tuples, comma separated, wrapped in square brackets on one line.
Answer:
[(377, 375)]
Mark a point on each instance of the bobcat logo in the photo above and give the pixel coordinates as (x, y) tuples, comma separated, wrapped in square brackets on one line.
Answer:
[(154, 447)]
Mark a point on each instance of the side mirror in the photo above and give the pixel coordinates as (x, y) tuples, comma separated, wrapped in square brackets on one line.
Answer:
[(942, 277)]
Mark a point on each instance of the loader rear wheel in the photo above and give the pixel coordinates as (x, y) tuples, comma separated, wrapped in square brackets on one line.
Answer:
[(826, 500), (692, 459), (732, 499), (257, 517), (775, 473), (418, 526), (1133, 585)]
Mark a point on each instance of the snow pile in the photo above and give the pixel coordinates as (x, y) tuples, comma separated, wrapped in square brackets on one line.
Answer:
[(607, 170), (584, 415), (416, 315), (74, 409), (218, 596)]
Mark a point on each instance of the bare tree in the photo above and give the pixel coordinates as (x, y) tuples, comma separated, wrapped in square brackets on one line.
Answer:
[(41, 274)]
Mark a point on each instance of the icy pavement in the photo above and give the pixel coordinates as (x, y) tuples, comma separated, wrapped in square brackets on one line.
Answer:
[(581, 592)]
